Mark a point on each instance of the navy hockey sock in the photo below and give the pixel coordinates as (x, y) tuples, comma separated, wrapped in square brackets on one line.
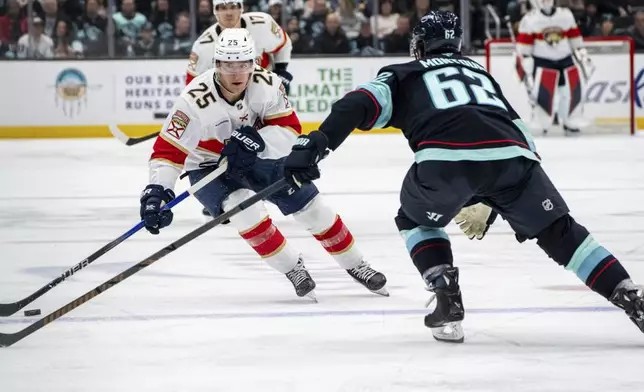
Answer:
[(570, 245)]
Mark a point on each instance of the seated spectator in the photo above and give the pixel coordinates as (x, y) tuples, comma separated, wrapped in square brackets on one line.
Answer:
[(302, 43), (180, 45), (163, 20), (637, 30), (350, 18), (102, 10), (147, 45), (332, 40), (275, 10), (398, 41), (35, 44), (315, 18), (128, 22), (71, 9), (91, 30), (50, 16), (589, 21), (606, 28), (421, 8), (13, 25), (91, 24), (385, 22), (65, 46), (363, 44), (205, 16)]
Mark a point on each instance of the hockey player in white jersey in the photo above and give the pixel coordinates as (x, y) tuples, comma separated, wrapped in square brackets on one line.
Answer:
[(548, 39), (240, 112), (273, 45)]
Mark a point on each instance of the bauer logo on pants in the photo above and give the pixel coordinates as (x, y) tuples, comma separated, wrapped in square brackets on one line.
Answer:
[(178, 124)]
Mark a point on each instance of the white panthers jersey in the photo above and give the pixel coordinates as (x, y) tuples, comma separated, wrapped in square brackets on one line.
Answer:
[(270, 40), (202, 120), (549, 37)]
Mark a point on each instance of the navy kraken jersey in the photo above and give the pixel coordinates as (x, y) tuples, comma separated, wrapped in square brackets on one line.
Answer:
[(447, 106)]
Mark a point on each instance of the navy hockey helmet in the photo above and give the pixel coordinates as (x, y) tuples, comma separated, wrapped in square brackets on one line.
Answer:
[(437, 32)]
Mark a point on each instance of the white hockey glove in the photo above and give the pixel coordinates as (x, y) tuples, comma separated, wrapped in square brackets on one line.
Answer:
[(475, 220), (585, 63)]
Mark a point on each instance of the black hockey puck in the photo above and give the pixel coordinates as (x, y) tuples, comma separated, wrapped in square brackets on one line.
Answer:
[(32, 312)]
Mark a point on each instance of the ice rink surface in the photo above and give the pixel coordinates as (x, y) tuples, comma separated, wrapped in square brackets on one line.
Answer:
[(212, 317)]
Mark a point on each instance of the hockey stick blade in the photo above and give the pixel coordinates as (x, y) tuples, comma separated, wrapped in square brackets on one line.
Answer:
[(130, 141), (11, 308), (8, 339)]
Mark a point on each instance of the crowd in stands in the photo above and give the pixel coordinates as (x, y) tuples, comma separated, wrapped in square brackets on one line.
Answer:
[(153, 28)]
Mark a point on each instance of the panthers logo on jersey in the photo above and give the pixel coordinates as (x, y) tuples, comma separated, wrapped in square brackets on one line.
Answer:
[(553, 35)]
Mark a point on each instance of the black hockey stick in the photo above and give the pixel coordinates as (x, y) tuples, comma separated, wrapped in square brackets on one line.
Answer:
[(8, 339), (11, 308), (130, 141)]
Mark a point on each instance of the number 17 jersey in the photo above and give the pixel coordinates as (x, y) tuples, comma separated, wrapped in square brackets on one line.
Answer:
[(449, 109)]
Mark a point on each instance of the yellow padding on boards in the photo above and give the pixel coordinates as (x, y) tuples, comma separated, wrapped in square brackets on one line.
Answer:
[(131, 130)]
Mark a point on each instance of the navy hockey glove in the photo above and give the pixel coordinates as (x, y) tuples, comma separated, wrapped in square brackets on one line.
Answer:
[(153, 198), (301, 165), (284, 75), (241, 150)]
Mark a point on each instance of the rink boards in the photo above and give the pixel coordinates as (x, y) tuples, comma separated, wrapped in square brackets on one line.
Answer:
[(82, 98)]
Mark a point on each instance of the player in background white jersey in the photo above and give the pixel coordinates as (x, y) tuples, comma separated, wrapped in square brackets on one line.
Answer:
[(548, 39), (273, 45), (241, 112)]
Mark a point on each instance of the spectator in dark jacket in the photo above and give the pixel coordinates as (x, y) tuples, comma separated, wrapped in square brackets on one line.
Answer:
[(205, 17), (147, 45), (363, 43), (398, 41), (180, 45), (302, 42), (637, 31), (91, 30), (314, 21), (162, 19), (13, 25), (332, 40), (589, 20)]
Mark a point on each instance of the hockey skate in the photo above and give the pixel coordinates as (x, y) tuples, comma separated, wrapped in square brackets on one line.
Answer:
[(569, 131), (373, 280), (630, 297), (302, 281), (445, 320)]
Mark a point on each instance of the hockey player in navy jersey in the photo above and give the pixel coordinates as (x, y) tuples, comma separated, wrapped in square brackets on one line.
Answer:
[(474, 159)]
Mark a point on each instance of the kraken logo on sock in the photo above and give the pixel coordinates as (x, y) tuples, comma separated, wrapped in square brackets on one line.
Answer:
[(71, 91)]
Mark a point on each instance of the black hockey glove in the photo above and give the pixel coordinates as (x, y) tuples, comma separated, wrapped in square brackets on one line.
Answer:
[(241, 151), (153, 198), (301, 165), (284, 75)]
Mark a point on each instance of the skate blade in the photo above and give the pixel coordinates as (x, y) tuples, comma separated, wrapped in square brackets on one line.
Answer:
[(311, 295), (449, 333), (383, 291)]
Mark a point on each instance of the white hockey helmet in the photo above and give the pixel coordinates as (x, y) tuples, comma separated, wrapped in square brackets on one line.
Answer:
[(215, 3), (235, 45)]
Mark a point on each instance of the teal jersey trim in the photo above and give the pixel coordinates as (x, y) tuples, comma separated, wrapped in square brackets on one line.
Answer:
[(526, 133), (382, 94), (479, 155)]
